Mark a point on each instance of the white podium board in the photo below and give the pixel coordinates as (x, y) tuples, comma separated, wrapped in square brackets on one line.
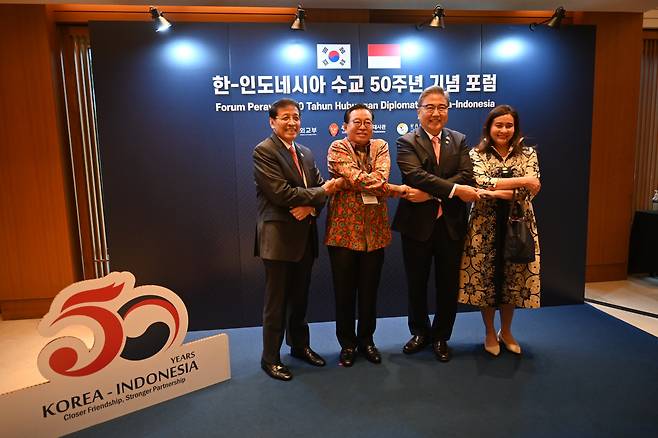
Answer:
[(138, 358)]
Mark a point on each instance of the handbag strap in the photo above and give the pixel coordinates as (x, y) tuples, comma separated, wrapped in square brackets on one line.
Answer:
[(515, 204)]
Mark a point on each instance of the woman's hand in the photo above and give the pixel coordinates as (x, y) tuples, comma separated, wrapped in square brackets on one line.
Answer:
[(487, 193), (495, 194), (532, 184)]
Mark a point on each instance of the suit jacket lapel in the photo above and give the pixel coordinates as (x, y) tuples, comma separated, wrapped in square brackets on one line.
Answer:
[(282, 150), (425, 143), (446, 149), (303, 163)]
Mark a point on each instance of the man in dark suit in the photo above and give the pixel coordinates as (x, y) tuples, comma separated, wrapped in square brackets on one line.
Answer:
[(290, 194), (432, 219)]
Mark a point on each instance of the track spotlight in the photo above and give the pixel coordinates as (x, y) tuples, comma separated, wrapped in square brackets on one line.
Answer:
[(553, 22), (557, 17), (300, 16), (160, 22), (437, 20)]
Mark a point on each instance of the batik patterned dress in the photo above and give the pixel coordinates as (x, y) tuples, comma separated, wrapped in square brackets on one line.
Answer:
[(520, 284)]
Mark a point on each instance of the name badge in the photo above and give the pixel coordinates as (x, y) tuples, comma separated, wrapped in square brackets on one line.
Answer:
[(369, 199)]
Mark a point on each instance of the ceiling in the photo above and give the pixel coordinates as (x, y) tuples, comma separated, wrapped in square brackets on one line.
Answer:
[(486, 5)]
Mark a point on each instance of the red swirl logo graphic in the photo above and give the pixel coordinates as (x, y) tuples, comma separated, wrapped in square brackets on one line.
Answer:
[(128, 324)]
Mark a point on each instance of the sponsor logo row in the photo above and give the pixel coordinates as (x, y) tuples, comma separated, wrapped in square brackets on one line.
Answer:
[(335, 129)]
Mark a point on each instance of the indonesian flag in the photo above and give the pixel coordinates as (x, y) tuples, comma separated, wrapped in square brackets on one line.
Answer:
[(383, 56)]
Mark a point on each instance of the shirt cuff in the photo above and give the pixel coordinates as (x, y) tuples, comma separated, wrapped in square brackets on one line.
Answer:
[(452, 192)]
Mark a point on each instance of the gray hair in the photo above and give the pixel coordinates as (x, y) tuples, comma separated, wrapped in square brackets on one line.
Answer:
[(434, 89)]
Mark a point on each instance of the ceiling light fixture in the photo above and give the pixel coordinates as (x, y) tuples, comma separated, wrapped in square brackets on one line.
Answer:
[(437, 21), (300, 17), (160, 22), (553, 22)]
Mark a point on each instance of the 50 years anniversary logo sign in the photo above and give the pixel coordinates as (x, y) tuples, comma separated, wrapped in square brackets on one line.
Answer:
[(137, 358)]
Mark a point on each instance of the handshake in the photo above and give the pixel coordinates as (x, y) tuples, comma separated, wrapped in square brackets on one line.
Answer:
[(394, 190), (408, 193), (334, 185), (465, 193)]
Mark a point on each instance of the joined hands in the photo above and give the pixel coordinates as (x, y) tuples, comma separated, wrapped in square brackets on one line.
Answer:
[(334, 185), (416, 195), (301, 212), (467, 193)]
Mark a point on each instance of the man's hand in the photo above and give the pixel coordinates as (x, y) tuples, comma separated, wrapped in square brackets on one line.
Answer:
[(532, 184), (341, 184), (330, 186), (486, 193), (395, 191), (301, 212), (466, 193), (416, 195)]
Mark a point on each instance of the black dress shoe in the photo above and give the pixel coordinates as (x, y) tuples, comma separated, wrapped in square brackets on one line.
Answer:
[(346, 358), (442, 351), (308, 356), (371, 353), (415, 344), (276, 370)]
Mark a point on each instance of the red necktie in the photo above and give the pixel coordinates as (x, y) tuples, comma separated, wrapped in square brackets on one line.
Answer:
[(296, 160), (436, 144)]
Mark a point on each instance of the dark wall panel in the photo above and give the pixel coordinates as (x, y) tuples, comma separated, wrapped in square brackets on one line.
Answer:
[(553, 95), (169, 164)]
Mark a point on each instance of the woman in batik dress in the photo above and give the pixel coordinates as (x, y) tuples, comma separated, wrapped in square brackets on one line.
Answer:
[(504, 169)]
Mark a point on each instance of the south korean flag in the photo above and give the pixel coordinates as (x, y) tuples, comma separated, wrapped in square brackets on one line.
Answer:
[(334, 56)]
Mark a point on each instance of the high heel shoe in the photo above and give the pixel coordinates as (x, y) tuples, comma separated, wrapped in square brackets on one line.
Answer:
[(513, 348), (493, 350)]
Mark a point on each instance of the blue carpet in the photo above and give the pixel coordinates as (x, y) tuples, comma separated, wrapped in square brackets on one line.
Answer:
[(582, 373)]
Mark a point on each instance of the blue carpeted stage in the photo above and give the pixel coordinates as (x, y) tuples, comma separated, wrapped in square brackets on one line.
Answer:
[(582, 373)]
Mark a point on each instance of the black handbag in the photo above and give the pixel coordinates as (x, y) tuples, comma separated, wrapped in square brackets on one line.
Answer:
[(519, 243)]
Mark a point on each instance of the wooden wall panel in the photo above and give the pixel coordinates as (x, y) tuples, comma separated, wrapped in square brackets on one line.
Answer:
[(646, 149), (614, 124), (39, 247), (37, 239), (83, 13)]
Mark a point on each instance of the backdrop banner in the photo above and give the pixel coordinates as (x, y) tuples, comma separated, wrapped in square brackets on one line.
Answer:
[(179, 114)]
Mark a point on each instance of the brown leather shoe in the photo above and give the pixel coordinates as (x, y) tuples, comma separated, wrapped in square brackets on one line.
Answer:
[(415, 344), (371, 353), (276, 370), (346, 358), (308, 356), (442, 351)]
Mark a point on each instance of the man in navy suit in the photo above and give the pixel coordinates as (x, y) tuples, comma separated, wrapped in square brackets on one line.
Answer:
[(432, 219), (290, 194)]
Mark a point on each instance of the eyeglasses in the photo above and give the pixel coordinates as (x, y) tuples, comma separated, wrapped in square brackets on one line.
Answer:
[(431, 108), (286, 119), (359, 123)]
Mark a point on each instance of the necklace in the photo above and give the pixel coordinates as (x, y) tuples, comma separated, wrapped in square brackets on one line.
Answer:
[(503, 155)]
